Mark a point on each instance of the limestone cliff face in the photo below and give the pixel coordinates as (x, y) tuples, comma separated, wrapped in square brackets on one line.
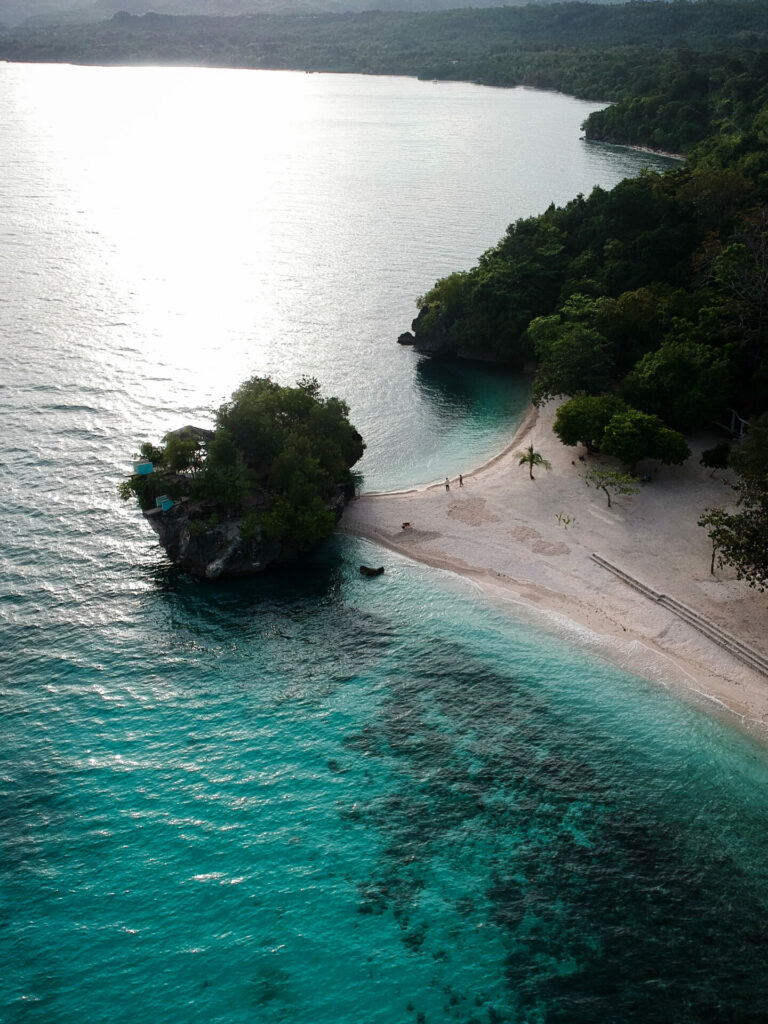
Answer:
[(435, 333), (432, 335), (214, 551)]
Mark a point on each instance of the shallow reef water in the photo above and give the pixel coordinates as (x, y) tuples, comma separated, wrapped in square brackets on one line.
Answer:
[(318, 797)]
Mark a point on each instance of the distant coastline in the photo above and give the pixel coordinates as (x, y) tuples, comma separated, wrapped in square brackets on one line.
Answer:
[(650, 64)]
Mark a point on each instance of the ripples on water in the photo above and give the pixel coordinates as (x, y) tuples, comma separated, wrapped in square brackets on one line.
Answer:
[(168, 232), (307, 797), (314, 797)]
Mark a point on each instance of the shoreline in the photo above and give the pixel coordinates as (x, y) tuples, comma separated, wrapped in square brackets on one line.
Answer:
[(636, 147), (500, 531)]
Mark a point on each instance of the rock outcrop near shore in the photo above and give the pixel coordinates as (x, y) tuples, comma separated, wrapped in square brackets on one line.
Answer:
[(434, 333), (197, 542), (268, 484), (217, 551)]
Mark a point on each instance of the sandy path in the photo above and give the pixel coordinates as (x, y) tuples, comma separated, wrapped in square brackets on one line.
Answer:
[(501, 529)]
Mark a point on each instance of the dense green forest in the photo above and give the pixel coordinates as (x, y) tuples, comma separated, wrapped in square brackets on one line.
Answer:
[(663, 281)]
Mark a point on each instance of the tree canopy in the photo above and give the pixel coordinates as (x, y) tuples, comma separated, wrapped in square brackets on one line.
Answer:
[(684, 382), (571, 357), (740, 538), (275, 461), (583, 419), (657, 290), (632, 435), (610, 481), (608, 424)]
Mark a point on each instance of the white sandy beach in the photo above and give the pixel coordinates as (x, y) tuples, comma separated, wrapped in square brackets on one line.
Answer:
[(501, 529)]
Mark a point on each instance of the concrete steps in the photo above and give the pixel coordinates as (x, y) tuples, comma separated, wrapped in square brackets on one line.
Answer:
[(748, 655)]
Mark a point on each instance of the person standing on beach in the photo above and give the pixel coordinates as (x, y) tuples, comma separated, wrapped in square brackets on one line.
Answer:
[(461, 480), (447, 484)]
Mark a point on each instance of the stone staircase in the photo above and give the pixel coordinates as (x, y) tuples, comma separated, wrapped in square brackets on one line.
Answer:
[(748, 655)]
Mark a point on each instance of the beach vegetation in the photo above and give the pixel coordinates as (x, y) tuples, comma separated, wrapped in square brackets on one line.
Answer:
[(750, 460), (610, 482), (571, 357), (583, 419), (740, 537), (739, 540), (684, 382), (716, 522), (632, 435), (716, 457), (530, 458)]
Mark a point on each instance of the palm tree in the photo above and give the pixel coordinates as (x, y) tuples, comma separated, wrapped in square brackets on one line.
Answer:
[(532, 458)]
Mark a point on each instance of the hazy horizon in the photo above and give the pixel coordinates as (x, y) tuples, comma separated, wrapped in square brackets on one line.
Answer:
[(18, 12)]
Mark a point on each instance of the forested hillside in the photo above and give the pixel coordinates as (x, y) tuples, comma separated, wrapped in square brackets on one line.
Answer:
[(648, 304), (662, 282)]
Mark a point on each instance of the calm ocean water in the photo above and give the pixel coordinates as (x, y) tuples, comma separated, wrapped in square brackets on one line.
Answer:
[(310, 797)]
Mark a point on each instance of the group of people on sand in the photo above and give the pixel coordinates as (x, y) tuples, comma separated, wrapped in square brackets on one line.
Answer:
[(407, 526)]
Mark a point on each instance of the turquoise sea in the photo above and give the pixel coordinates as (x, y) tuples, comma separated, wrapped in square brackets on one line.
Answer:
[(312, 797), (318, 798)]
